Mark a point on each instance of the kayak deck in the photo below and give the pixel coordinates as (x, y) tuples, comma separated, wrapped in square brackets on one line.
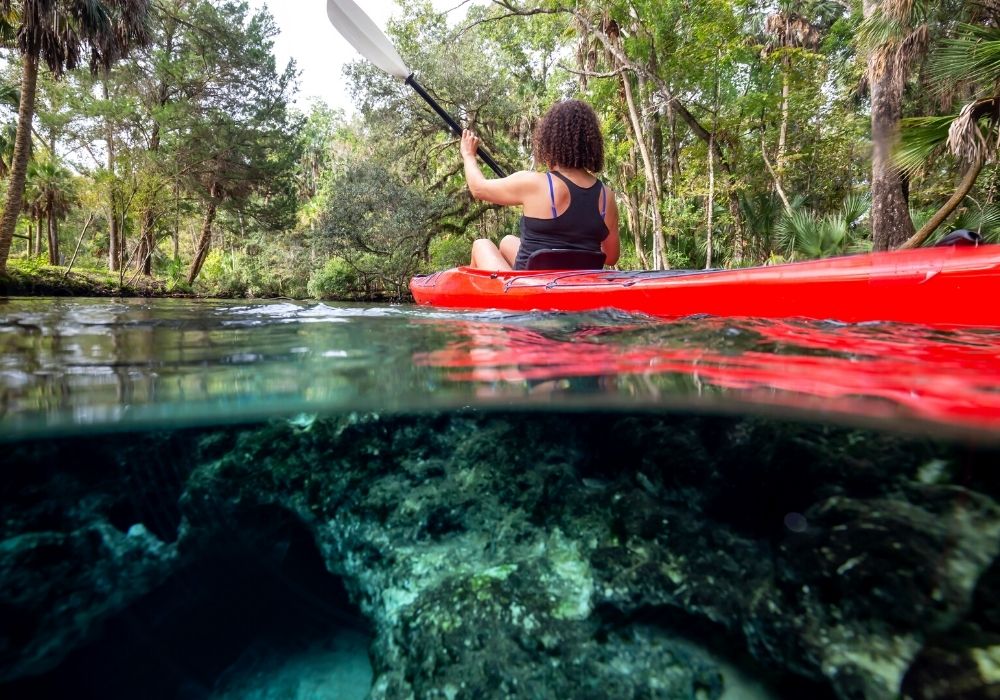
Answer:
[(937, 286)]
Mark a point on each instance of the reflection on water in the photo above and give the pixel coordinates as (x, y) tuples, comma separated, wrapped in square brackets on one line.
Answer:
[(70, 363), (356, 542), (878, 370)]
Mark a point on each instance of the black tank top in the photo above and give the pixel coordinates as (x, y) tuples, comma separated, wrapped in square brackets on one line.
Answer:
[(580, 227)]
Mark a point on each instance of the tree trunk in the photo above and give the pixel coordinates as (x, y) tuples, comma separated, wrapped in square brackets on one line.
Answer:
[(785, 93), (38, 235), (968, 182), (890, 212), (147, 242), (53, 240), (147, 238), (19, 164), (711, 205), (177, 223), (659, 254), (114, 235), (204, 241)]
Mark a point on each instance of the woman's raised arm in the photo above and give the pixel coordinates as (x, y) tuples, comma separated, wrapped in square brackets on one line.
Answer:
[(506, 191)]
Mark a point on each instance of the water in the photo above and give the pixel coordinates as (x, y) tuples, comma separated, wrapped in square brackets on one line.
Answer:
[(299, 500)]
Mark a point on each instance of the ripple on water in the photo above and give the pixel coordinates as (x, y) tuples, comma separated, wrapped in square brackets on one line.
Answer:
[(194, 361)]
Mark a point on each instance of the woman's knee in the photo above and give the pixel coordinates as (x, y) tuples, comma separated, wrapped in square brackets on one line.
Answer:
[(509, 246), (483, 245), (484, 251)]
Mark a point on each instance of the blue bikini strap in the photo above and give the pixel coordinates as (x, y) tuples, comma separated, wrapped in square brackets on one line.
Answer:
[(552, 196), (604, 200)]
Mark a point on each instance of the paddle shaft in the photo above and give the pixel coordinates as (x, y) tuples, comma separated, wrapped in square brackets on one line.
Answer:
[(452, 124)]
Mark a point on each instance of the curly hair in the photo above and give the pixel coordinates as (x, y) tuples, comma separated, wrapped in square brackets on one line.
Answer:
[(569, 136)]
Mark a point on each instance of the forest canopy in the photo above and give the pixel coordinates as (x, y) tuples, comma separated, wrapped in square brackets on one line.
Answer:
[(162, 139)]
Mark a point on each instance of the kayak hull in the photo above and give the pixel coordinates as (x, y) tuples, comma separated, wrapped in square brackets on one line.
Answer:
[(954, 286)]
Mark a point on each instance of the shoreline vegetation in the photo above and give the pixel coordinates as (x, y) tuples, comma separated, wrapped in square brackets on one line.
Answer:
[(738, 133), (34, 278), (25, 279)]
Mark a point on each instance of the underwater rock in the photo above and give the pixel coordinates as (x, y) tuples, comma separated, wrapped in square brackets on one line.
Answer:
[(338, 669), (580, 555), (56, 588), (876, 577), (967, 670)]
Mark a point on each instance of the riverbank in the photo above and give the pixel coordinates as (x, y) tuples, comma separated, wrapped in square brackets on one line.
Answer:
[(30, 279)]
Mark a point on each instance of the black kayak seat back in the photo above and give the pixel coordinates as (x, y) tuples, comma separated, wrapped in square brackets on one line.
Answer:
[(962, 236), (565, 259)]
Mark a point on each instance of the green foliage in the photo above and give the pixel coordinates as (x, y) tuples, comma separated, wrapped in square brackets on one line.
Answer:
[(30, 265), (982, 220), (379, 224), (335, 280), (802, 232), (449, 251), (971, 56), (920, 138), (350, 208), (176, 279)]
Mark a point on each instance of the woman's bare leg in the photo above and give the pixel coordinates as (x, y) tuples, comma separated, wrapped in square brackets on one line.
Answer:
[(508, 249), (486, 256)]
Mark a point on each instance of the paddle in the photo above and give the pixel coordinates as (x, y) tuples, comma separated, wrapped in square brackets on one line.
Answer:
[(364, 35)]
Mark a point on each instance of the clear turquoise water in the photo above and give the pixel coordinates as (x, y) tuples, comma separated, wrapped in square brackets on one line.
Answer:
[(72, 365), (210, 499)]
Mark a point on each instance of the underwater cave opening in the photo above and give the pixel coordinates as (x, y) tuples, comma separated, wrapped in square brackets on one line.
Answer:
[(255, 616)]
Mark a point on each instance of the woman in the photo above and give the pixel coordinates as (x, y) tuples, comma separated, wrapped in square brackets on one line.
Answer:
[(566, 207)]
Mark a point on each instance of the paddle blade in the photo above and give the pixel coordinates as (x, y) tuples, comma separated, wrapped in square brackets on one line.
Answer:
[(364, 35)]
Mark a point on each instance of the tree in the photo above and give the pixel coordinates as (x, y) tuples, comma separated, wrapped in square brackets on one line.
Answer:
[(377, 225), (897, 35), (50, 194), (242, 144), (969, 59), (59, 33)]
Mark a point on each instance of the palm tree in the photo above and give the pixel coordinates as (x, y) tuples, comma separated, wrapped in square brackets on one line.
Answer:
[(8, 131), (50, 196), (896, 40), (59, 33), (802, 232), (31, 207), (788, 28), (972, 58)]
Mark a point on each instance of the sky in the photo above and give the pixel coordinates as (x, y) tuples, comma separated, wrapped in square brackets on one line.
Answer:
[(319, 51)]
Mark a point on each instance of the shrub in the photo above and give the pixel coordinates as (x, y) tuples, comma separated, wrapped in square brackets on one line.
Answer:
[(449, 251), (335, 280), (221, 277)]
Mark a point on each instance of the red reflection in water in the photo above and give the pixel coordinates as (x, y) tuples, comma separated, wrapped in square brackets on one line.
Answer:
[(950, 377)]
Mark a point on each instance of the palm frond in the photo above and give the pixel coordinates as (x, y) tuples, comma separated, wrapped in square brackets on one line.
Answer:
[(855, 206), (921, 217), (965, 138), (10, 95), (920, 137), (985, 220), (973, 56), (796, 226)]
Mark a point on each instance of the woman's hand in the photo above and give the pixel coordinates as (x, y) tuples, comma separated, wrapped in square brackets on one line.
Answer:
[(470, 144)]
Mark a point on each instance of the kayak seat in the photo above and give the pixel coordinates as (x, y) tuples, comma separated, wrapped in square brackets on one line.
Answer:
[(961, 237), (565, 259)]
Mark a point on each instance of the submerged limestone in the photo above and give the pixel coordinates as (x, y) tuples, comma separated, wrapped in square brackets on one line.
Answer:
[(541, 555)]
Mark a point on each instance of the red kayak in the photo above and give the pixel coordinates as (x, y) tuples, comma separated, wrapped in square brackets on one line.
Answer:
[(951, 286)]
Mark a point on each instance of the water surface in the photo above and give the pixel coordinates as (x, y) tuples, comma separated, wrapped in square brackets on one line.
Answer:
[(66, 364), (210, 499)]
